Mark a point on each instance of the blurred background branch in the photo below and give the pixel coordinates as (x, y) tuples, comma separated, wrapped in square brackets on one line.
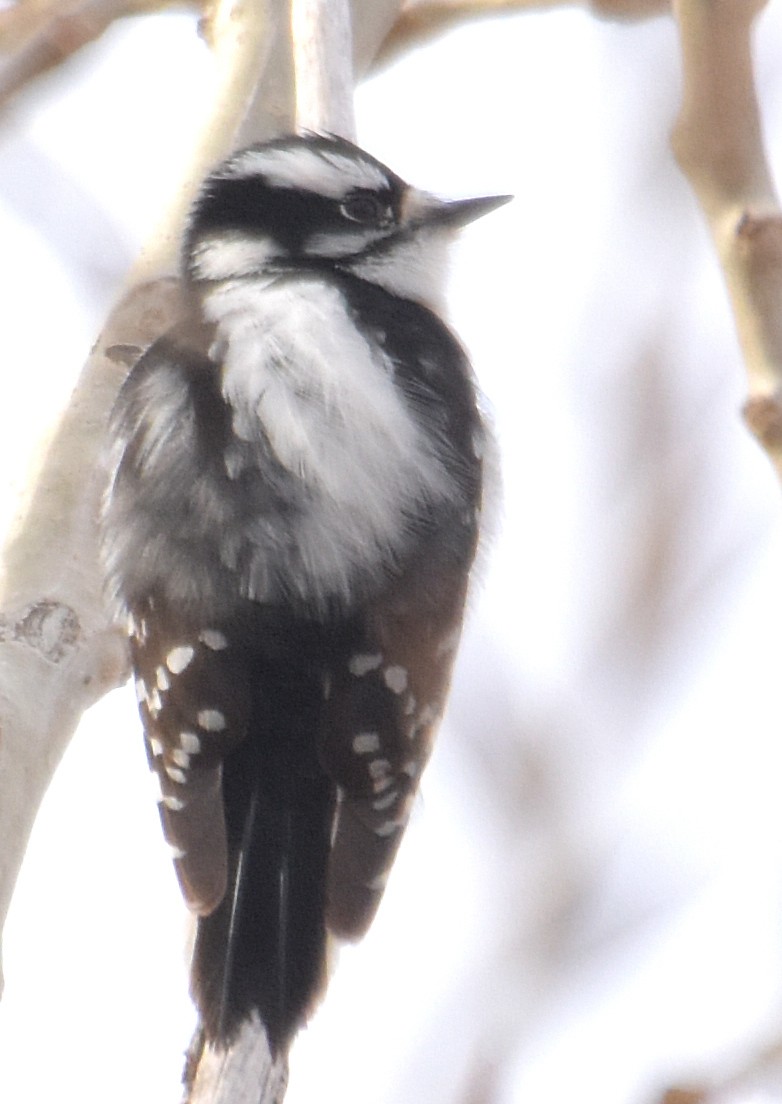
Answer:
[(38, 35)]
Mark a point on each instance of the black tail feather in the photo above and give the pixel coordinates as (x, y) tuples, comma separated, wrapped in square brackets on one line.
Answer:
[(263, 949)]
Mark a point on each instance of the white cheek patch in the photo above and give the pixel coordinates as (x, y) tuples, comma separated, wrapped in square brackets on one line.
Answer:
[(227, 255)]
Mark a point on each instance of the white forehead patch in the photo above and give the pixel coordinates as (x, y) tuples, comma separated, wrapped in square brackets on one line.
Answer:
[(322, 171)]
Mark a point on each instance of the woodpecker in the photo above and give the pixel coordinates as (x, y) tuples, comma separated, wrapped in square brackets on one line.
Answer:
[(290, 523)]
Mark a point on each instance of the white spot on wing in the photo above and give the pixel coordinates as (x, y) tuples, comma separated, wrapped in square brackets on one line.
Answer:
[(181, 758), (395, 678), (385, 801), (366, 743), (364, 662), (211, 720), (379, 768), (179, 658), (154, 780), (190, 743), (429, 714), (162, 679), (176, 774), (155, 746), (141, 690), (175, 804), (213, 639)]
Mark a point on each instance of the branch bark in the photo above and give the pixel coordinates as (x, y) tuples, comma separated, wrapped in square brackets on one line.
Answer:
[(37, 39), (719, 145), (58, 650)]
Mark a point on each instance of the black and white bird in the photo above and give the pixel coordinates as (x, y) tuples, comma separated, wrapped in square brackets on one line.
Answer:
[(290, 526)]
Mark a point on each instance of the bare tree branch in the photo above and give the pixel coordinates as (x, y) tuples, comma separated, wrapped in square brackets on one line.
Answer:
[(421, 22), (58, 650), (324, 91), (38, 38), (244, 1072), (719, 145)]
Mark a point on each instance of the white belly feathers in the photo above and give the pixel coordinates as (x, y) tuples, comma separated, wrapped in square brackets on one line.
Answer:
[(297, 373)]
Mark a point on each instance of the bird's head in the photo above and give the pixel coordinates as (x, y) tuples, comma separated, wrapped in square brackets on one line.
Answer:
[(316, 202)]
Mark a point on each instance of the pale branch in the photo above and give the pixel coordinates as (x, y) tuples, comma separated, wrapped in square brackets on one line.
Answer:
[(35, 40), (321, 33), (58, 650), (719, 145), (421, 21), (245, 1071)]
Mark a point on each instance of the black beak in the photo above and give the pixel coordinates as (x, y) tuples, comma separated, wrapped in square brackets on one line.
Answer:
[(458, 212)]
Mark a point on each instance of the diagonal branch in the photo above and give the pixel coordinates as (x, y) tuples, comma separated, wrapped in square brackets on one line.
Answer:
[(424, 20), (38, 40)]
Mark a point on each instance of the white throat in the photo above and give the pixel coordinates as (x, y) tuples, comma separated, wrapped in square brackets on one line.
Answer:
[(413, 268)]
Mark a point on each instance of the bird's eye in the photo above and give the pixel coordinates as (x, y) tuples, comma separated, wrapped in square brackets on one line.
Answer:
[(367, 209)]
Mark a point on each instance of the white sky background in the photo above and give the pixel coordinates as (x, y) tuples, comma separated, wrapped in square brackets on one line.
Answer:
[(589, 900)]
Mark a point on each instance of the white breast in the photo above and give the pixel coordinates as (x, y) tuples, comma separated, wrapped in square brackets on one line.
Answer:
[(297, 371)]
